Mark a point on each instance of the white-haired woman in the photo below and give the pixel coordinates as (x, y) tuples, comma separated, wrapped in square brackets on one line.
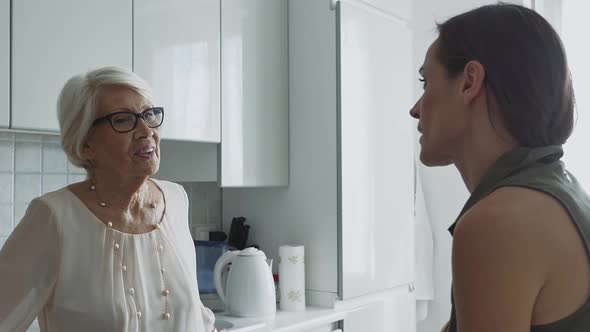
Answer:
[(112, 253)]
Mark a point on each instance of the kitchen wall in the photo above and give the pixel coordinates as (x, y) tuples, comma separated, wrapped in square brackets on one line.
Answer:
[(204, 207), (444, 191), (31, 165)]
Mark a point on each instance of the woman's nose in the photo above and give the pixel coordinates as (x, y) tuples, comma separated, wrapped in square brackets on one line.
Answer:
[(142, 130), (414, 110)]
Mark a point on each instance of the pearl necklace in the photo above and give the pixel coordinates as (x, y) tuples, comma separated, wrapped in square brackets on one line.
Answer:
[(165, 292), (103, 204)]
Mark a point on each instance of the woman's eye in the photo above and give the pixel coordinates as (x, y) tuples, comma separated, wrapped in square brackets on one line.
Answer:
[(423, 82), (122, 120)]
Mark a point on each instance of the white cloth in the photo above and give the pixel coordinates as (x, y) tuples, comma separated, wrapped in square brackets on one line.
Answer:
[(66, 266), (424, 253)]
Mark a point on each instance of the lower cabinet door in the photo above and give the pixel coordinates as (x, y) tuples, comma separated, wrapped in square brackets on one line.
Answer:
[(396, 312), (326, 328)]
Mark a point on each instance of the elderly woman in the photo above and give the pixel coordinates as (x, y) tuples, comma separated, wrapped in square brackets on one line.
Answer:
[(112, 253), (498, 104)]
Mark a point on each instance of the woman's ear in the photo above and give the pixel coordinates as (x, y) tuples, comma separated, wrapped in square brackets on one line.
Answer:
[(87, 150), (473, 81)]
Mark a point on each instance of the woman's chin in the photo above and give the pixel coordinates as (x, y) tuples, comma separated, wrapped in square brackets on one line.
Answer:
[(431, 159), (147, 169)]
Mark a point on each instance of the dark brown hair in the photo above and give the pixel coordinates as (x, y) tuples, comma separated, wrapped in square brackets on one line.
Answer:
[(525, 69)]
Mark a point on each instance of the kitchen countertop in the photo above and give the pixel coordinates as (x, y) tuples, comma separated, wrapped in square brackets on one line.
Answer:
[(286, 321), (315, 316)]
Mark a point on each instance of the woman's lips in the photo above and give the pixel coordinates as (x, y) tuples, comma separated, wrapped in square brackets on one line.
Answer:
[(146, 153)]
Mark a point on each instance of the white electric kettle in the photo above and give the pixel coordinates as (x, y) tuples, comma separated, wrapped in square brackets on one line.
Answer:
[(249, 290)]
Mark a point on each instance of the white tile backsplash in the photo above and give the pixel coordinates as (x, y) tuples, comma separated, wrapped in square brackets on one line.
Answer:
[(73, 178), (52, 182), (6, 158), (27, 157), (198, 212), (26, 187), (30, 165), (204, 205), (54, 159), (5, 220), (75, 170), (210, 190), (19, 212), (214, 212), (6, 193)]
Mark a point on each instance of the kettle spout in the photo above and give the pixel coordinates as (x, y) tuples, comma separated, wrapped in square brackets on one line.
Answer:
[(269, 262)]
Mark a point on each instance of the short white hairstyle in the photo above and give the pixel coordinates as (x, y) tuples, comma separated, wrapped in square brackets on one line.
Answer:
[(76, 106)]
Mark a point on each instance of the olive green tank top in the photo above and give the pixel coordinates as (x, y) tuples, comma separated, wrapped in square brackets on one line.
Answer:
[(539, 169)]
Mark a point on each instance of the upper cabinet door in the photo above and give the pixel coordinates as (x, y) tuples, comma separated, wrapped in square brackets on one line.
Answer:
[(255, 93), (176, 49), (399, 8), (376, 150), (4, 63), (54, 40)]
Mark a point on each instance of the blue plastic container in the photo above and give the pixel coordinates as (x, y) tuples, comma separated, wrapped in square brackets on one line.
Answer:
[(208, 252)]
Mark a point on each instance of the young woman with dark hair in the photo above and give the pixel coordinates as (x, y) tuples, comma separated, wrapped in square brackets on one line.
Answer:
[(498, 104)]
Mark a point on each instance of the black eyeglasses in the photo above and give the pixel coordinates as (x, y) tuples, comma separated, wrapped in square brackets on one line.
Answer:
[(123, 122)]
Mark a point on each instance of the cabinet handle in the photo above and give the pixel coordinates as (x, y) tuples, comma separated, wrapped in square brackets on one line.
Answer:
[(333, 7), (411, 287)]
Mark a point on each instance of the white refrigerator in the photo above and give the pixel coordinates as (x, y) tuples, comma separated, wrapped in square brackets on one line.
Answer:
[(350, 197), (375, 89)]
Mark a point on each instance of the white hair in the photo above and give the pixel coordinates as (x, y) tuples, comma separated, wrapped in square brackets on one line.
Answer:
[(77, 102)]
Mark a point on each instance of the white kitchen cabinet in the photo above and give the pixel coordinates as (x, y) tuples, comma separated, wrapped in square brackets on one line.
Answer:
[(350, 198), (306, 211), (54, 40), (184, 161), (400, 8), (396, 312), (4, 63), (176, 49), (326, 328), (376, 150), (255, 93)]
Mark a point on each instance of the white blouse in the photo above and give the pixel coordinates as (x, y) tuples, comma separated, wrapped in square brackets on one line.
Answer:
[(64, 265)]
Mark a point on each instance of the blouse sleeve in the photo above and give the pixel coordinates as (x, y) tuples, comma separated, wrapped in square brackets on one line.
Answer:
[(29, 263), (208, 318)]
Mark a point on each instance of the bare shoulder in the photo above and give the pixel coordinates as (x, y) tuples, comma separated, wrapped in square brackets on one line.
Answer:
[(510, 247), (498, 250), (514, 213), (517, 224)]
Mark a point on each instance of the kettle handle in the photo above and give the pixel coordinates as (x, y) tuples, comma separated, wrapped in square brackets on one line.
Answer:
[(220, 265)]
